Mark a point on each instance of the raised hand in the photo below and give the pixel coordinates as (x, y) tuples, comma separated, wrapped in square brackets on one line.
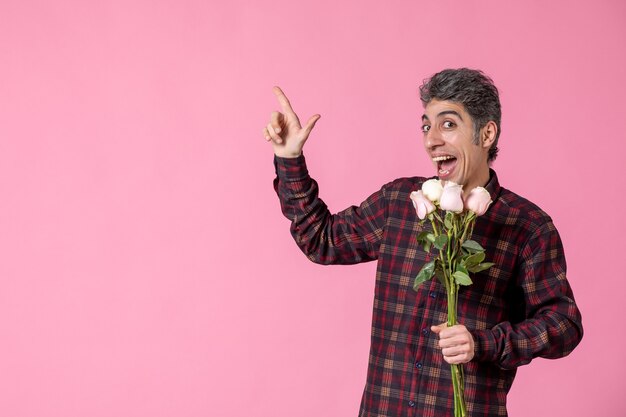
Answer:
[(284, 130)]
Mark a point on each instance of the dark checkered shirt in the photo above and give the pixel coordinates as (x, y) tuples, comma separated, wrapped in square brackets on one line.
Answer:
[(519, 309)]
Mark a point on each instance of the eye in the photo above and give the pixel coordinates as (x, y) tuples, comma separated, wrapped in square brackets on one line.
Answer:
[(448, 124), (425, 128)]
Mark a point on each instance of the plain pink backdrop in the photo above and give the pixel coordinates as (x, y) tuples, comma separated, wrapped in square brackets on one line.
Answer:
[(145, 267)]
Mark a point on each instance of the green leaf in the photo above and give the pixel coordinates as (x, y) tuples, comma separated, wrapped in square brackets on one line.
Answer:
[(422, 235), (427, 246), (472, 246), (425, 274), (430, 237), (440, 241), (439, 274), (447, 221), (462, 278), (481, 267), (474, 259)]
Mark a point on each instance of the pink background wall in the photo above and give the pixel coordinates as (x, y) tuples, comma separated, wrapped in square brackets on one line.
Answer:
[(145, 268)]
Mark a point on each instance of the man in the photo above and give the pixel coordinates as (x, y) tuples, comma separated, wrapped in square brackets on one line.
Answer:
[(519, 309)]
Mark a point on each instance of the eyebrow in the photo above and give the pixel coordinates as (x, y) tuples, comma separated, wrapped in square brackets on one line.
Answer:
[(443, 113)]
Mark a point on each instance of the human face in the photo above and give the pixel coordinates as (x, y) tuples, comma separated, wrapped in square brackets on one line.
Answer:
[(449, 141)]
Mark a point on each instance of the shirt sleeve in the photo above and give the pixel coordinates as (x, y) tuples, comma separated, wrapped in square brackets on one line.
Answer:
[(553, 326), (348, 237)]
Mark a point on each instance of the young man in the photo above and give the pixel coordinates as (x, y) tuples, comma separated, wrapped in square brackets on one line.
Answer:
[(519, 309)]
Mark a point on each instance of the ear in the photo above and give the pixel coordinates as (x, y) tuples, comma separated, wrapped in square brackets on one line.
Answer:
[(488, 134)]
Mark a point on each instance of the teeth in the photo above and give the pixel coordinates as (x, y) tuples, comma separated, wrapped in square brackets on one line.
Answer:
[(442, 158), (444, 172)]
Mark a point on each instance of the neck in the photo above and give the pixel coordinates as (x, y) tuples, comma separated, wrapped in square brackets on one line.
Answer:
[(480, 181)]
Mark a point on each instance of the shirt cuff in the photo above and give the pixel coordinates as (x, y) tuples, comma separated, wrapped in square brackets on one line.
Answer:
[(291, 169), (484, 345)]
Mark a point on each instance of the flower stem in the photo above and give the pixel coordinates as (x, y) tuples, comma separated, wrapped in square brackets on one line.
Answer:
[(434, 224), (448, 255)]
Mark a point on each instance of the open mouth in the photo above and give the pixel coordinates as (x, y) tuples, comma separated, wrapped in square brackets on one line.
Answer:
[(445, 164)]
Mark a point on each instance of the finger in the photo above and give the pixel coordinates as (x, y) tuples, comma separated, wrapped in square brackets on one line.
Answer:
[(276, 121), (310, 124), (451, 343), (273, 135), (453, 339), (283, 100), (266, 134), (458, 355), (455, 351), (457, 360), (452, 331), (437, 329)]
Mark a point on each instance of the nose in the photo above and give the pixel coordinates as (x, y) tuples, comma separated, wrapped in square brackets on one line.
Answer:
[(432, 139)]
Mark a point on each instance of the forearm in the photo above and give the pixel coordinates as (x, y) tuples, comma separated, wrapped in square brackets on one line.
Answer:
[(350, 236), (550, 334)]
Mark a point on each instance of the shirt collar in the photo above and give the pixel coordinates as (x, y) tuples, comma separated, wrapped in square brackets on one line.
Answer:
[(493, 186)]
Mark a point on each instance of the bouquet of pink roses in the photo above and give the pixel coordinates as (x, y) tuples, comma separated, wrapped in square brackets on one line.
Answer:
[(452, 219)]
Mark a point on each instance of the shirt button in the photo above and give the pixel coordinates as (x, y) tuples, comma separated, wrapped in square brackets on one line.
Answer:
[(424, 331), (411, 403), (433, 294), (418, 365)]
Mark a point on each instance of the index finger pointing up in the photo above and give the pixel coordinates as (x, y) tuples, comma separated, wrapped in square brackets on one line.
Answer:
[(283, 100)]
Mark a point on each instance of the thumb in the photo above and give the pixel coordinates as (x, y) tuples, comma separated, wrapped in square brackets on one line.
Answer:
[(310, 124), (437, 329)]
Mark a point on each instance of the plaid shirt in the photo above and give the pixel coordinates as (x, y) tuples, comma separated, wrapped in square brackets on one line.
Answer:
[(519, 309)]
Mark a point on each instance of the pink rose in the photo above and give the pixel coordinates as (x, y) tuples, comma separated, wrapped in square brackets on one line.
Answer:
[(422, 205), (478, 201), (451, 199), (432, 189)]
